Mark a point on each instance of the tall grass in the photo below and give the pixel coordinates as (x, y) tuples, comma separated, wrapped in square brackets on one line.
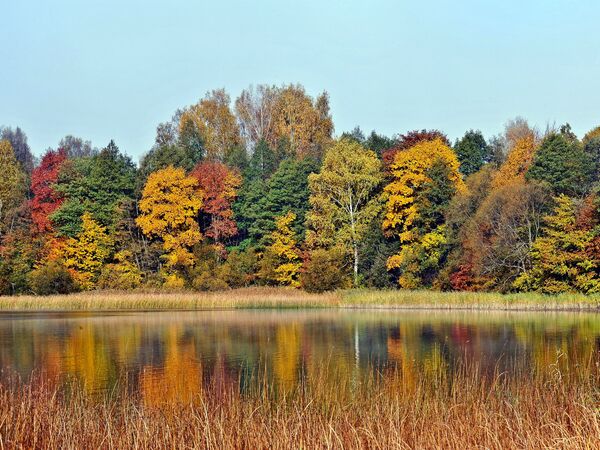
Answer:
[(462, 410), (265, 297)]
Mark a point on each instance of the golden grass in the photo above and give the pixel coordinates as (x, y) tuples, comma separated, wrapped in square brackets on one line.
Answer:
[(466, 410), (265, 297)]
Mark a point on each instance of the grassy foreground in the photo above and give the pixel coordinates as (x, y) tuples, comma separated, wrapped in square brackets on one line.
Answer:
[(263, 297), (464, 410)]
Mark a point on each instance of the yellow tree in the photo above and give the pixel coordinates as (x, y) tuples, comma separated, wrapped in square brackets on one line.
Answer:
[(283, 255), (424, 179), (86, 253), (216, 124), (12, 181), (169, 207), (304, 123), (518, 161), (342, 198)]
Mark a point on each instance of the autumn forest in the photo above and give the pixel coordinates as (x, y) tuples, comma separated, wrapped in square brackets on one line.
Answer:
[(262, 190)]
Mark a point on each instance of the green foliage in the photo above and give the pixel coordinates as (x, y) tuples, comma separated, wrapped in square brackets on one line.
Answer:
[(95, 185), (51, 278), (472, 152), (12, 183), (325, 270), (241, 268), (562, 162), (560, 262), (343, 198)]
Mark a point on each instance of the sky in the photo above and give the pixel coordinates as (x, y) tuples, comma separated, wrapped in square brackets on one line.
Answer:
[(114, 69)]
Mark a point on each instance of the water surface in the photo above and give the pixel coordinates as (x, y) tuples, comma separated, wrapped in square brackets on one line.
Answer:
[(170, 356)]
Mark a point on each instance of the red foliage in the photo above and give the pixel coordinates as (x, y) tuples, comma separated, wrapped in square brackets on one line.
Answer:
[(45, 198), (218, 184), (409, 140), (462, 279)]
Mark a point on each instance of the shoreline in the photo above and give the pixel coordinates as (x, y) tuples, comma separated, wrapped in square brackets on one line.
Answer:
[(284, 298)]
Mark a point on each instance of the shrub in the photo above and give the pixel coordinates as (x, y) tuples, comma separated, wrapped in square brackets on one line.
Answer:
[(121, 275), (51, 278), (240, 268), (325, 271)]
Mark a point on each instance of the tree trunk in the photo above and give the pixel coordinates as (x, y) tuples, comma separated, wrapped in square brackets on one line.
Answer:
[(355, 265)]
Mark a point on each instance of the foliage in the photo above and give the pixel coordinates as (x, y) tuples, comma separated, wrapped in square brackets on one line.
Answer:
[(562, 162), (241, 268), (12, 183), (218, 185), (18, 142), (305, 123), (168, 209), (97, 185), (472, 152), (51, 278), (560, 262), (282, 261), (409, 140), (500, 236), (122, 274), (517, 163), (45, 199), (85, 255), (214, 122), (342, 198), (325, 270)]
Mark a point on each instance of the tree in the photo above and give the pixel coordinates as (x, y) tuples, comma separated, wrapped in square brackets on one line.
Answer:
[(305, 123), (562, 162), (424, 179), (45, 199), (472, 152), (591, 146), (409, 140), (517, 163), (218, 185), (263, 162), (76, 147), (255, 110), (342, 198), (169, 206), (559, 259), (214, 123), (18, 141), (97, 185), (282, 257), (502, 232), (12, 182), (85, 255), (324, 270), (288, 191)]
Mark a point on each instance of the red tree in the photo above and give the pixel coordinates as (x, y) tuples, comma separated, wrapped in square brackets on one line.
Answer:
[(45, 198), (409, 140), (218, 184)]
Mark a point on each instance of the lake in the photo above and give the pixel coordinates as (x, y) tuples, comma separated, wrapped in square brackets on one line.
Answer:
[(171, 356)]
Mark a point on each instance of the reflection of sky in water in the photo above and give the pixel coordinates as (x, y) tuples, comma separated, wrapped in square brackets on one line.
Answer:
[(168, 356)]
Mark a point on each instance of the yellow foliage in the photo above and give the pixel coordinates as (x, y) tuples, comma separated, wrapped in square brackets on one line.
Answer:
[(169, 207), (286, 253), (409, 172), (85, 254), (216, 124), (517, 162)]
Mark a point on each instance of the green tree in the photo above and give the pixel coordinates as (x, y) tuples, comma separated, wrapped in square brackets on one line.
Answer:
[(98, 185), (472, 152), (562, 162), (343, 198), (560, 262)]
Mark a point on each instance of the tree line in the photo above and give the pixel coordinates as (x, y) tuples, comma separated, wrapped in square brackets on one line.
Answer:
[(261, 192)]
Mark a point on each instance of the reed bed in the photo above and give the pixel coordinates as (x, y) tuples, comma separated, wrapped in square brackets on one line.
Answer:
[(270, 297), (463, 410)]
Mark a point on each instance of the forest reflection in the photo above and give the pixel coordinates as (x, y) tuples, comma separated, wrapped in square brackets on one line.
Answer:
[(170, 357)]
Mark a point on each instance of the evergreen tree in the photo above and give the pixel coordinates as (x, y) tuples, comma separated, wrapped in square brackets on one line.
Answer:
[(472, 152)]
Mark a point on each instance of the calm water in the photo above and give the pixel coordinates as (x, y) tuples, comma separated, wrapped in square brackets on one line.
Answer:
[(171, 355)]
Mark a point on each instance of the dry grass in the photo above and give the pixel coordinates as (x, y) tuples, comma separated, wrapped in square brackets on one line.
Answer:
[(467, 411), (264, 297)]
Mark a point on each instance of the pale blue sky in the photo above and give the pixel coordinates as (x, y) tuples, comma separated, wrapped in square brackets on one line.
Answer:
[(116, 68)]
